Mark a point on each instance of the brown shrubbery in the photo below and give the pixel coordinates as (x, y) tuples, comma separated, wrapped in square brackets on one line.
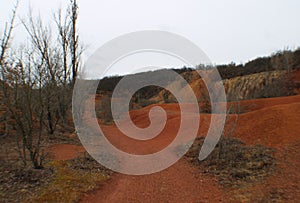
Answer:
[(235, 163)]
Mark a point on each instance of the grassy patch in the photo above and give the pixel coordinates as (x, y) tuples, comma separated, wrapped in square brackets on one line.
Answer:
[(59, 181), (72, 179)]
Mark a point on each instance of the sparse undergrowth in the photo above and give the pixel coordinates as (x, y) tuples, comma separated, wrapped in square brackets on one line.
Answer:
[(18, 184), (236, 164), (63, 139), (60, 181)]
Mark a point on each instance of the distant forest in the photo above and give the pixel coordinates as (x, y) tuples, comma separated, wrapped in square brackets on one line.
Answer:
[(282, 60)]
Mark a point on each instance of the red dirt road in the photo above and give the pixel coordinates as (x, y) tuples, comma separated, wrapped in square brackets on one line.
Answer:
[(179, 183)]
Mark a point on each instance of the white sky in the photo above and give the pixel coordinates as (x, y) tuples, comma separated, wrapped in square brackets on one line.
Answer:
[(226, 30)]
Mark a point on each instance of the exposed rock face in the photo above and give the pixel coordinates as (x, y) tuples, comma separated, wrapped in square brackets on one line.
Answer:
[(259, 85)]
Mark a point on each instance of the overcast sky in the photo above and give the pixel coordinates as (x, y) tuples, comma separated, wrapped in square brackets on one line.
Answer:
[(226, 30)]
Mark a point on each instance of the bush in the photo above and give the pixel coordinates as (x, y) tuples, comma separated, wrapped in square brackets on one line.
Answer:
[(234, 163)]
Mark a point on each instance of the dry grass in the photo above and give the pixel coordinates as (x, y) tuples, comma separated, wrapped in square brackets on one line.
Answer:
[(236, 164), (59, 181), (72, 179)]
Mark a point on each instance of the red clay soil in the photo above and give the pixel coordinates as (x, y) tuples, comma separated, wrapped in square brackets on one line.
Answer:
[(179, 183), (276, 126), (256, 104), (270, 122), (64, 151)]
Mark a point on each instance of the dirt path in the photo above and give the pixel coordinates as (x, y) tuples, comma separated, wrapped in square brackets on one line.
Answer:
[(179, 183)]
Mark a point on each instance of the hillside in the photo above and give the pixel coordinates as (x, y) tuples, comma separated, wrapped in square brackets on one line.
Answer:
[(268, 77)]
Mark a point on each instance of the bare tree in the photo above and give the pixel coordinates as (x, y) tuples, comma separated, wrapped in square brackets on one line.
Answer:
[(41, 39), (37, 79), (71, 52), (74, 40), (61, 58), (4, 49), (24, 99)]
